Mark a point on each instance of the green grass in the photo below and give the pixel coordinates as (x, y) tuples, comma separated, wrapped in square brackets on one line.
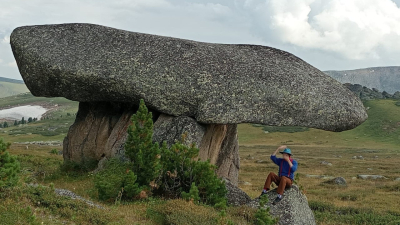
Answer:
[(9, 89), (361, 202), (380, 130)]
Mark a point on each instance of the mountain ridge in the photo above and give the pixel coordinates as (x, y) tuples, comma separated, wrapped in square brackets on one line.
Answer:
[(381, 78), (10, 87), (10, 80)]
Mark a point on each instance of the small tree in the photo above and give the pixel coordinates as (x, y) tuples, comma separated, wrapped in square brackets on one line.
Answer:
[(30, 119), (140, 148), (116, 179), (9, 167), (15, 122), (181, 171), (23, 120), (5, 124)]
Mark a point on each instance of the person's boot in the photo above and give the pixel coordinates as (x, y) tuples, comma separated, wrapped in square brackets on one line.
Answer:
[(277, 199), (264, 192)]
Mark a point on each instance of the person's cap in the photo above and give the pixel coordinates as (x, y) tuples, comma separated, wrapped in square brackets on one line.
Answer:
[(287, 151)]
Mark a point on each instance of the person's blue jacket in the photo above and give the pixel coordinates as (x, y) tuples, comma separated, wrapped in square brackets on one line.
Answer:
[(284, 168)]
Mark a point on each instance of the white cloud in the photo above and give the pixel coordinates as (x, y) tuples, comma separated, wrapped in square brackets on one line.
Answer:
[(356, 32), (12, 64), (1, 60), (355, 29), (5, 40)]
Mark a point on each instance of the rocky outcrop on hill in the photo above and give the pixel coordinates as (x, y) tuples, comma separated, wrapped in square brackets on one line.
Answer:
[(365, 93), (189, 86), (382, 78), (292, 209)]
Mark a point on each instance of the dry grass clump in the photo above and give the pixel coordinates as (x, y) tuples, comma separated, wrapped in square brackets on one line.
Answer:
[(179, 211)]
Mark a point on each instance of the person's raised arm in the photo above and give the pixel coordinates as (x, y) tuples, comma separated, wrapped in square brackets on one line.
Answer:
[(277, 150)]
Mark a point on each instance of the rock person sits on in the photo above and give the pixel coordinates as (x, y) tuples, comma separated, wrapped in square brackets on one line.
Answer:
[(284, 179)]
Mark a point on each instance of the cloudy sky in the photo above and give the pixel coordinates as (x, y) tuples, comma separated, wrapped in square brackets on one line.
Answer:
[(328, 34)]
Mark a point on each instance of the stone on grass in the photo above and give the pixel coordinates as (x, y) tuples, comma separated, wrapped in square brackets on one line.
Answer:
[(235, 195), (397, 179), (324, 177), (292, 209), (326, 163), (337, 181), (372, 177)]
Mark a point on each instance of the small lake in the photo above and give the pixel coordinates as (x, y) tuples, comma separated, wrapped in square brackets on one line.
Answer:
[(26, 111)]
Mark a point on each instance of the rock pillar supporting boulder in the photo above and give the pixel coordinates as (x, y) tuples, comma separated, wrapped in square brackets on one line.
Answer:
[(221, 146), (98, 131), (216, 142)]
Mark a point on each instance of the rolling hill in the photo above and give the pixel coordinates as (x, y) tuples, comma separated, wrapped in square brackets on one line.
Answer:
[(9, 87), (382, 78)]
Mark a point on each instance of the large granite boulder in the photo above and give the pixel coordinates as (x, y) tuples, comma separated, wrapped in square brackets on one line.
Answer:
[(207, 88), (213, 83), (235, 196), (293, 209)]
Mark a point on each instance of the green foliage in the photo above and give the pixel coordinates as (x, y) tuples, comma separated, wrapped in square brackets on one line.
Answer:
[(15, 214), (131, 188), (193, 194), (82, 167), (180, 170), (66, 207), (140, 149), (9, 167), (116, 179), (174, 171), (262, 216), (54, 151)]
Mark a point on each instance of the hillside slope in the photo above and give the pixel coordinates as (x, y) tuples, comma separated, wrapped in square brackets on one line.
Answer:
[(382, 78), (380, 130), (9, 87)]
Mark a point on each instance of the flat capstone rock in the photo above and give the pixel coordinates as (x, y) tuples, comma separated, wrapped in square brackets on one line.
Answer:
[(213, 83)]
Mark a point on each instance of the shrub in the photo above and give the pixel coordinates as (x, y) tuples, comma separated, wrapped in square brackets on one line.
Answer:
[(54, 151), (262, 216), (180, 170), (9, 167), (193, 194), (116, 179), (140, 149)]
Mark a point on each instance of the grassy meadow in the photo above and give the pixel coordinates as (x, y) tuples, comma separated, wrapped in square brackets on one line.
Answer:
[(10, 88), (361, 202)]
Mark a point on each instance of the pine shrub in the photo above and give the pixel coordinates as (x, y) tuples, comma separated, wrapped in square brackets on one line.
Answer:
[(9, 167), (140, 148), (262, 216), (181, 169), (193, 194), (116, 179)]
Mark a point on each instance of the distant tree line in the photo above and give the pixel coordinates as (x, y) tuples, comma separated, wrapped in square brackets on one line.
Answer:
[(5, 124)]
